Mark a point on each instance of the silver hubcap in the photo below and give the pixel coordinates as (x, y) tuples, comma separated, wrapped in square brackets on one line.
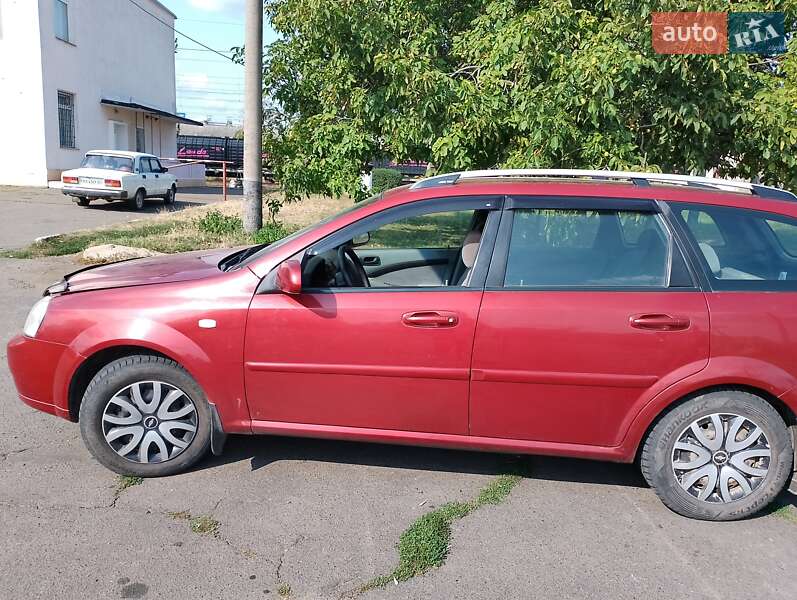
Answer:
[(721, 458), (149, 422)]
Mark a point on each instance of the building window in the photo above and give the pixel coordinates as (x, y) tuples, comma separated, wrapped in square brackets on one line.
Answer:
[(61, 12), (66, 119), (140, 146)]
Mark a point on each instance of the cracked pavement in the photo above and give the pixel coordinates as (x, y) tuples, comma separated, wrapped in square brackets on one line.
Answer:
[(323, 517)]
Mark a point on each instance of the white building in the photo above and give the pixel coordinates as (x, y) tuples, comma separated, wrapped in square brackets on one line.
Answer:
[(79, 75)]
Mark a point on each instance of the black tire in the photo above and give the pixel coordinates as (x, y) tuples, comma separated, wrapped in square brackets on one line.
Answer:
[(170, 195), (657, 455), (137, 201), (127, 371), (84, 202)]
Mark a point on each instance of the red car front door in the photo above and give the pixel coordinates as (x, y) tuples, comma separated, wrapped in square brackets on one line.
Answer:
[(389, 357), (588, 311)]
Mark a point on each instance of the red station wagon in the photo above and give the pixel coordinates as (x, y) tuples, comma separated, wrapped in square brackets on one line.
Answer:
[(605, 315)]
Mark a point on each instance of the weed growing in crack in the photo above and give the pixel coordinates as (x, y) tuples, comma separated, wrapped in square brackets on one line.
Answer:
[(424, 545), (202, 524), (126, 481)]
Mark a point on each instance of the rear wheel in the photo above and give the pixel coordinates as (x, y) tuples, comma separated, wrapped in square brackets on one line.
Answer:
[(146, 416), (83, 201), (137, 201), (720, 456)]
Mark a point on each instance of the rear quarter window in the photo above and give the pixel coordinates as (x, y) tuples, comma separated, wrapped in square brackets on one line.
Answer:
[(744, 249)]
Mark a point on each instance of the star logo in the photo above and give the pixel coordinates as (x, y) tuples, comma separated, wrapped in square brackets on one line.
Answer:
[(754, 23)]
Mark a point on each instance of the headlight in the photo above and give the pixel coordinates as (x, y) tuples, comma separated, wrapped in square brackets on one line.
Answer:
[(36, 316)]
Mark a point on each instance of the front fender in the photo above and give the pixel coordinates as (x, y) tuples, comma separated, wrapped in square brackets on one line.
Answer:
[(221, 386)]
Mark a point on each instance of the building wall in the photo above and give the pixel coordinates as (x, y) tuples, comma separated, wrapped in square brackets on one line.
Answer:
[(116, 51), (22, 141)]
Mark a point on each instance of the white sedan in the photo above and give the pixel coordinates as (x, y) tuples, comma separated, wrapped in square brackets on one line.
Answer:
[(116, 175)]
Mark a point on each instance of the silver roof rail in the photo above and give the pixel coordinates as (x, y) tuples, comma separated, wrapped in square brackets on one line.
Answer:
[(637, 178)]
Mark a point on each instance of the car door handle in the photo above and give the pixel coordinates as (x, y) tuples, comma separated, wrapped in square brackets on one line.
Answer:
[(372, 261), (659, 322), (430, 318)]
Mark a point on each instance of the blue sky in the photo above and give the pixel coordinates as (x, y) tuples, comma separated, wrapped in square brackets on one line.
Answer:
[(209, 86)]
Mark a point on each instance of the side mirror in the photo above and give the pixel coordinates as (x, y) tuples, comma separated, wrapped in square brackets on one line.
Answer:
[(289, 277), (164, 170)]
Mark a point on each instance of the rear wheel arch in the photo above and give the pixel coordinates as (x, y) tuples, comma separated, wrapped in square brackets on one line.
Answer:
[(786, 413), (94, 364)]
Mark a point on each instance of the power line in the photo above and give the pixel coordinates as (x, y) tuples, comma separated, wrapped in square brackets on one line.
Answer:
[(157, 18)]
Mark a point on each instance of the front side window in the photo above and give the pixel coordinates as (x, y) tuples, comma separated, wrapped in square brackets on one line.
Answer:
[(61, 14), (587, 248), (66, 119), (435, 249), (743, 246)]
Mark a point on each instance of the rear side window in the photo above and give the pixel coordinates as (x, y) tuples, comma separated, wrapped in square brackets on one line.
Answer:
[(587, 248), (744, 249)]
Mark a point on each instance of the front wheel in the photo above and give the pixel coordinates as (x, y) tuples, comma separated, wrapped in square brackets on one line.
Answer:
[(720, 456), (146, 416)]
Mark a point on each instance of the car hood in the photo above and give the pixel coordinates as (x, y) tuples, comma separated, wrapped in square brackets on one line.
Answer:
[(145, 271)]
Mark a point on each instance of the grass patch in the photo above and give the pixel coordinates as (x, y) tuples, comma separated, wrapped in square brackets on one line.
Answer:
[(786, 512), (202, 524), (199, 228), (126, 481), (424, 545), (284, 590)]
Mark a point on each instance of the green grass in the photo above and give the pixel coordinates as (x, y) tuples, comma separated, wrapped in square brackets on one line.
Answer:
[(424, 545), (126, 481), (786, 512), (284, 590), (202, 524), (212, 230)]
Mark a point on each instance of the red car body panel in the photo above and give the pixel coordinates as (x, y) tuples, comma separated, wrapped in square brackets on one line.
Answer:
[(546, 360), (348, 360), (516, 367)]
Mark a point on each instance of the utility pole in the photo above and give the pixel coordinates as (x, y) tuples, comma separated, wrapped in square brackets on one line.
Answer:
[(253, 117)]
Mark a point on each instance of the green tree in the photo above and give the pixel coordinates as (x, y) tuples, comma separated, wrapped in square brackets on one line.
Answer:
[(517, 83)]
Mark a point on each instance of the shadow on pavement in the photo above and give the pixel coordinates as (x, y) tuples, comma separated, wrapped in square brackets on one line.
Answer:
[(265, 450)]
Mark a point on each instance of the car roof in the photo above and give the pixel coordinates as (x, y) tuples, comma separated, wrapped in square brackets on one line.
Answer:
[(557, 187), (120, 153)]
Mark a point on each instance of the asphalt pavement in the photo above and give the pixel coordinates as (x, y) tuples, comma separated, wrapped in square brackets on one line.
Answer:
[(29, 213)]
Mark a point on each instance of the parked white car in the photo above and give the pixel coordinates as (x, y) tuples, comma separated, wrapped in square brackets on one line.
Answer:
[(116, 175)]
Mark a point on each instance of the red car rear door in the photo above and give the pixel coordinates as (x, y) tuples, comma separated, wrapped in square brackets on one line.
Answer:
[(589, 310)]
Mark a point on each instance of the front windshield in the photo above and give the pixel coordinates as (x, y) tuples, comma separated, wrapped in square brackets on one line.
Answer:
[(108, 162), (279, 243)]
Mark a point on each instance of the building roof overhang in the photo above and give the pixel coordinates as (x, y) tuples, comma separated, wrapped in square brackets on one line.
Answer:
[(149, 109)]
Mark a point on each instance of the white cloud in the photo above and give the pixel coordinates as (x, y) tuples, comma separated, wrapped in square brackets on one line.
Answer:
[(217, 5), (193, 81)]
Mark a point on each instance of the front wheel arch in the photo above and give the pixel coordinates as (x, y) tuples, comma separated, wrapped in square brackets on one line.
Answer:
[(94, 364)]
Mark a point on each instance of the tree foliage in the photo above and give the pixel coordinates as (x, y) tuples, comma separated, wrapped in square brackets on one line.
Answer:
[(517, 83)]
